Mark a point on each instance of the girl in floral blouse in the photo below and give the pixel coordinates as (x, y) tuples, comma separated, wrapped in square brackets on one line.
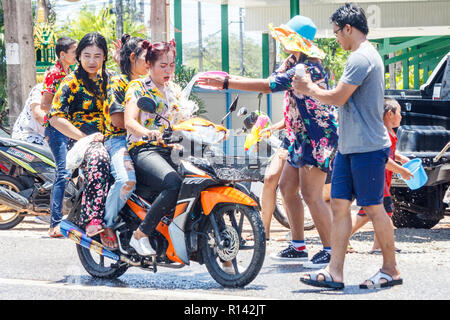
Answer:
[(77, 111), (154, 167)]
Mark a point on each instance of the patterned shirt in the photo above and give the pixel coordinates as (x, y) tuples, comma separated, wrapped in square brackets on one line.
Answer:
[(53, 77), (73, 102), (115, 103), (146, 87), (312, 126)]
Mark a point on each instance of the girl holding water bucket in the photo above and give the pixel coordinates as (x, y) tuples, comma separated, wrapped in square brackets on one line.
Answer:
[(391, 118)]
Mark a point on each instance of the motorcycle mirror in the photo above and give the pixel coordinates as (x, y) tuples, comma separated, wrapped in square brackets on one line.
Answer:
[(242, 112), (233, 105), (146, 104), (231, 108)]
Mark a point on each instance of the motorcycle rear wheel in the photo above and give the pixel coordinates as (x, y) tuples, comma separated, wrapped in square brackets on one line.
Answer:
[(99, 266), (236, 224), (9, 217)]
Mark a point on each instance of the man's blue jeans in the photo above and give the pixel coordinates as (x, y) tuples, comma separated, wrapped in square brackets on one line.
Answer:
[(58, 144), (122, 170)]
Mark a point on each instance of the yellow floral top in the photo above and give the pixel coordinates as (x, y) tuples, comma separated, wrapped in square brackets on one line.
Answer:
[(146, 87), (115, 103), (73, 102)]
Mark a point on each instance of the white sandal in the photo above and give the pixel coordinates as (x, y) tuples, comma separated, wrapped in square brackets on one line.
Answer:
[(377, 284)]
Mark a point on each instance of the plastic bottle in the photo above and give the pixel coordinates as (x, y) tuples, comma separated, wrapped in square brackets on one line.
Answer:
[(300, 70)]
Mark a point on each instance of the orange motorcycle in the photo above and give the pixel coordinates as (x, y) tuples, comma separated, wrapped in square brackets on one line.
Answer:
[(210, 224)]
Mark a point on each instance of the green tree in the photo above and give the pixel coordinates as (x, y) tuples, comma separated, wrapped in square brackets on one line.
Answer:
[(184, 75), (212, 55), (335, 59), (103, 22)]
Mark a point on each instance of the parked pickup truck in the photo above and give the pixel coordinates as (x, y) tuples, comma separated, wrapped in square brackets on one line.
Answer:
[(424, 133)]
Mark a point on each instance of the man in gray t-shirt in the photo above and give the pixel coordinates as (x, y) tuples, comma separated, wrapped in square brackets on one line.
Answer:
[(363, 150), (361, 126)]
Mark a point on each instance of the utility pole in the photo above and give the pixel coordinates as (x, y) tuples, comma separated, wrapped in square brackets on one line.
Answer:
[(158, 21), (200, 37), (20, 55), (241, 40), (119, 19)]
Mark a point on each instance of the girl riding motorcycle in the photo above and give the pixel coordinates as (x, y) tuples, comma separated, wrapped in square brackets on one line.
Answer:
[(154, 167)]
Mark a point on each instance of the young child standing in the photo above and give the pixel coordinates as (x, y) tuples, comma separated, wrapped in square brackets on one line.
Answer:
[(391, 118)]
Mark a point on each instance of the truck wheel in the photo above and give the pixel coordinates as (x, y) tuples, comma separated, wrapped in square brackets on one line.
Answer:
[(406, 219), (421, 208)]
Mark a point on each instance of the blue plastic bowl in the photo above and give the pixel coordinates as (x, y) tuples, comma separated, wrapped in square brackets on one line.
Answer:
[(419, 175)]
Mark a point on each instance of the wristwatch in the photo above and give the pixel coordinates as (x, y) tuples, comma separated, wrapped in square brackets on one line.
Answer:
[(225, 83)]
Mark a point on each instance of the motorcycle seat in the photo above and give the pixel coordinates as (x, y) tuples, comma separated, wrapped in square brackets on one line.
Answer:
[(45, 151)]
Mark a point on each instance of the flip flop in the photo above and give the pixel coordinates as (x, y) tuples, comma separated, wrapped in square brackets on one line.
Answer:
[(110, 238), (328, 282), (378, 251), (376, 284), (350, 249), (94, 228), (55, 232)]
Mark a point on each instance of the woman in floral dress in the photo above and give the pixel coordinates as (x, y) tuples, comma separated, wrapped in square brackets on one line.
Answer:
[(312, 132), (77, 111)]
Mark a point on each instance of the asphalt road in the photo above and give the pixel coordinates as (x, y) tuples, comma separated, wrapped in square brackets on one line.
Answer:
[(35, 266)]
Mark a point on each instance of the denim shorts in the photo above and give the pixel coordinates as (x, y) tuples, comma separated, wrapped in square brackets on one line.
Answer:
[(360, 176)]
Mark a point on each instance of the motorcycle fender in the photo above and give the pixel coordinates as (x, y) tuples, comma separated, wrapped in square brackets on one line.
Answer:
[(214, 195)]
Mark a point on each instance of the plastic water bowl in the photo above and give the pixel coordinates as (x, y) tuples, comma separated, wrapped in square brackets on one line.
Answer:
[(419, 175)]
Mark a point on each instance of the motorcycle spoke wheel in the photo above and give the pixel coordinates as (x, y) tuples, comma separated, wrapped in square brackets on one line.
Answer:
[(98, 265), (232, 259)]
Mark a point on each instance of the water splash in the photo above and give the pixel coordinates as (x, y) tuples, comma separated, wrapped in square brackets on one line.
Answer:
[(180, 107)]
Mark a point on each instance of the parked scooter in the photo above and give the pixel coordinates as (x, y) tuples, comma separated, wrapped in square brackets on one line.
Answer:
[(209, 225), (27, 173)]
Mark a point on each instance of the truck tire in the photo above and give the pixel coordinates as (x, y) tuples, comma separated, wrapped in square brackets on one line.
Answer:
[(421, 209), (406, 219)]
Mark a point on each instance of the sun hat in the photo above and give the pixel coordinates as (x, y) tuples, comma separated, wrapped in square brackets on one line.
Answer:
[(297, 35)]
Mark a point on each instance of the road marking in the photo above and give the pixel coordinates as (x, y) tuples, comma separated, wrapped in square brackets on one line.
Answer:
[(162, 293)]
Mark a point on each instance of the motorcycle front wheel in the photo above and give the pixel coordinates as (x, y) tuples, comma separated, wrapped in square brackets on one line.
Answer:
[(231, 259)]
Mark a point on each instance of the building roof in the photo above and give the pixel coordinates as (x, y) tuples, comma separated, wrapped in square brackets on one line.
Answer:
[(386, 18)]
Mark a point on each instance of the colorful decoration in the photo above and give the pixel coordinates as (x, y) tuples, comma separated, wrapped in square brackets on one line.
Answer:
[(255, 135), (44, 42)]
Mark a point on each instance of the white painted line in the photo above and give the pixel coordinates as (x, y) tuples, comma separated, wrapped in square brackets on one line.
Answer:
[(172, 294)]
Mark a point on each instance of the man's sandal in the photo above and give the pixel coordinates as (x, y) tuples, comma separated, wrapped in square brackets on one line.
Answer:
[(327, 282), (376, 281)]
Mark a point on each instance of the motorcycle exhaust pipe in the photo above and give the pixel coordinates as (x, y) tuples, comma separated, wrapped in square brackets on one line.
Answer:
[(14, 200), (72, 232)]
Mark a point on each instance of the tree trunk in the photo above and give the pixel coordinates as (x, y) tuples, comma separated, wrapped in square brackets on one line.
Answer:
[(158, 22), (20, 55), (119, 19)]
